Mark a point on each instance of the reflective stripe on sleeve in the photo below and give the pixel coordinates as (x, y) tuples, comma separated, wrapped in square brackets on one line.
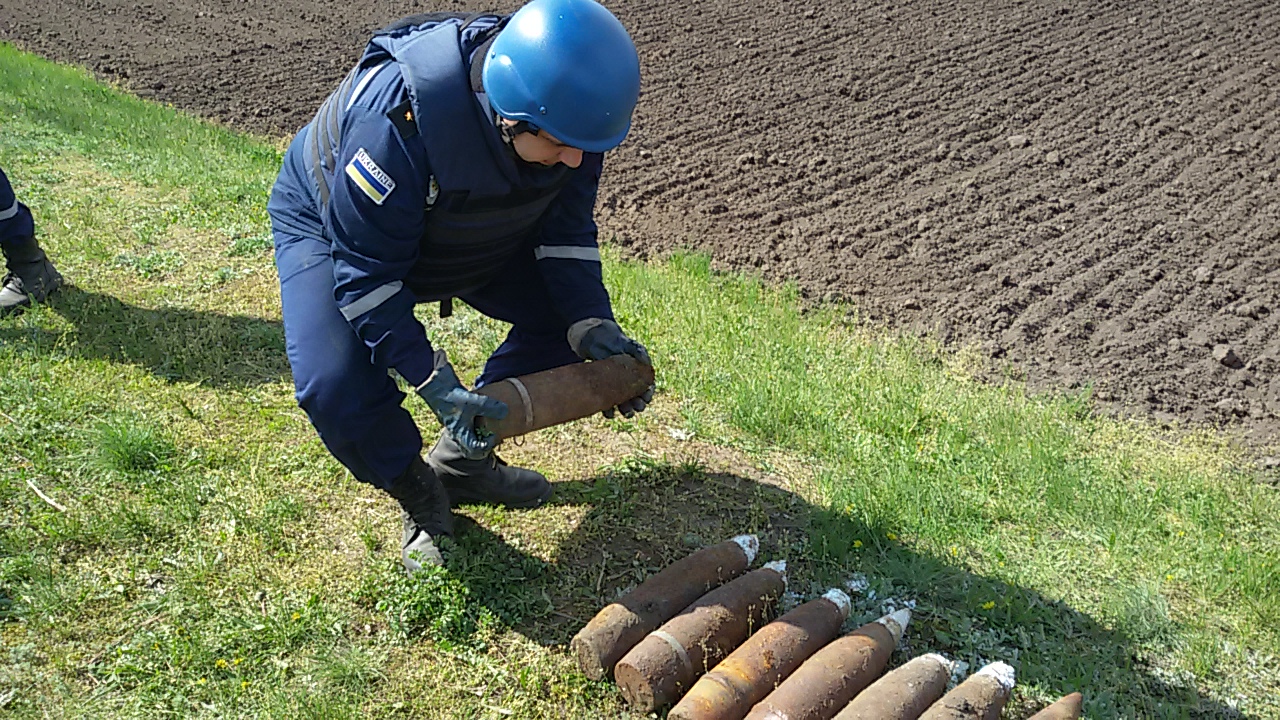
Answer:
[(365, 81), (567, 252), (371, 301), (10, 211)]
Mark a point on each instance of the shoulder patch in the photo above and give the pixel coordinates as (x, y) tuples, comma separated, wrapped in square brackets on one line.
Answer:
[(370, 178), (402, 117)]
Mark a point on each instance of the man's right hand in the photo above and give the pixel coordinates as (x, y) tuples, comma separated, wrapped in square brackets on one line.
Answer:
[(457, 408)]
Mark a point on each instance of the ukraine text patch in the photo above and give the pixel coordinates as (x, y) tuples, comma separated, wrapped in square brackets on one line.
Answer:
[(370, 178)]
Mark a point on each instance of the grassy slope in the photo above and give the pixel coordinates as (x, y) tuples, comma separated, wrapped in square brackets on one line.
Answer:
[(214, 561)]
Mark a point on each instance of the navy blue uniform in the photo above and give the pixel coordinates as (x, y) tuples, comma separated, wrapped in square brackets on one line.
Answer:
[(401, 191), (15, 219)]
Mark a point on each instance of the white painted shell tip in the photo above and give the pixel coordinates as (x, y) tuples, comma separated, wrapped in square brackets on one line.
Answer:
[(896, 622), (837, 597), (778, 566), (941, 660), (750, 545), (1002, 672)]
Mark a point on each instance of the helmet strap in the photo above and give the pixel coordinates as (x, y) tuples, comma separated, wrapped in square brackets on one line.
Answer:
[(510, 131)]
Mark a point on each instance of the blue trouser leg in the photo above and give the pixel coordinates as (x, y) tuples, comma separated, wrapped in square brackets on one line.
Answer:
[(537, 340), (354, 405), (15, 219)]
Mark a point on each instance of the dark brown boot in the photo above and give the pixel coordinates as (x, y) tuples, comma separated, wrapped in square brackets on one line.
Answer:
[(31, 278), (426, 516), (487, 481)]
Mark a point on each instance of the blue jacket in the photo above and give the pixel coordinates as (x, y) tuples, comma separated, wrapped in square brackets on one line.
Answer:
[(421, 198)]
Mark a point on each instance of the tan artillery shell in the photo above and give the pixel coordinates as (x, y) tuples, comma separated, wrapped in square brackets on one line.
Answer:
[(661, 668), (620, 625), (828, 680), (565, 393), (753, 670), (1067, 708), (903, 694), (981, 697)]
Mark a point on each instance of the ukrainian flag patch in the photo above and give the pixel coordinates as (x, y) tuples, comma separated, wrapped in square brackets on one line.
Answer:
[(370, 178)]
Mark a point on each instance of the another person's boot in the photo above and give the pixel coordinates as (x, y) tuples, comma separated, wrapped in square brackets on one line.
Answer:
[(426, 516), (488, 481), (30, 278)]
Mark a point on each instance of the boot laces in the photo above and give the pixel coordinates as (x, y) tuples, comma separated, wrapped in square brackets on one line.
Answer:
[(427, 505), (427, 512)]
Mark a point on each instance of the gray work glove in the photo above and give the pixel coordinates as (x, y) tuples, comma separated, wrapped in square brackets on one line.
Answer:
[(457, 408), (597, 339)]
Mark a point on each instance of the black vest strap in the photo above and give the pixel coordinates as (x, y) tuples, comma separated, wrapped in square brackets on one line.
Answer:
[(477, 66)]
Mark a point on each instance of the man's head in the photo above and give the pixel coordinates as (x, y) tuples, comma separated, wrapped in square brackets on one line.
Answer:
[(567, 74)]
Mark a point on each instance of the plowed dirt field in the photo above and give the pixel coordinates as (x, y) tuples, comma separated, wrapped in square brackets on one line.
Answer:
[(1089, 190)]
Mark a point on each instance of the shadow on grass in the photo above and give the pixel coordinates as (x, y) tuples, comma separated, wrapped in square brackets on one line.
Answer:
[(643, 516), (176, 344)]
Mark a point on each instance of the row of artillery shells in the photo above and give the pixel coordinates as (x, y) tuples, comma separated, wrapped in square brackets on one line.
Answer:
[(695, 638)]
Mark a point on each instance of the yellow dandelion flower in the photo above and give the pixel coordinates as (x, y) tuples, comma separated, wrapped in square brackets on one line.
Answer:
[(201, 681), (221, 663), (1168, 576), (955, 551), (237, 661), (244, 684), (988, 604), (297, 615), (891, 536), (857, 543)]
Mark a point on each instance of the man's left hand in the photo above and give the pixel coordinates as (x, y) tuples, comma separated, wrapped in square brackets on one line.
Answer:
[(597, 339)]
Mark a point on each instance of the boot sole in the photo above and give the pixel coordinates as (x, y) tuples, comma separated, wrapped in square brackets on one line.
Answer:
[(461, 496)]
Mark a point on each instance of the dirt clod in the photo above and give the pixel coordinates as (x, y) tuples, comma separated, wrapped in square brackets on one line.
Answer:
[(1227, 356)]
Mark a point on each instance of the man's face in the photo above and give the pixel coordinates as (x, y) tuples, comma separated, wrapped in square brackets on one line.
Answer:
[(544, 149)]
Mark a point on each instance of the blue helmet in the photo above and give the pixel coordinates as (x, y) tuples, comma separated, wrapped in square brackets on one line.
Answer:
[(567, 67)]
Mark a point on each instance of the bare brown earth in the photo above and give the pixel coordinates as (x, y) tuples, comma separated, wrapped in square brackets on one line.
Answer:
[(1088, 190)]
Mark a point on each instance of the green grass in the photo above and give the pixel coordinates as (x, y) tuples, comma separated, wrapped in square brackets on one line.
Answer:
[(213, 560)]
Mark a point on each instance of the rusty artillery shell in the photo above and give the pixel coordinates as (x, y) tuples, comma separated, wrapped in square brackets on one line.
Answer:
[(904, 693), (827, 681), (981, 697), (565, 393), (753, 670), (661, 668), (1067, 708), (620, 625)]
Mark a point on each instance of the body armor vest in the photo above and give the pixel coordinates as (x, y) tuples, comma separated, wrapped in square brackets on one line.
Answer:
[(488, 204)]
